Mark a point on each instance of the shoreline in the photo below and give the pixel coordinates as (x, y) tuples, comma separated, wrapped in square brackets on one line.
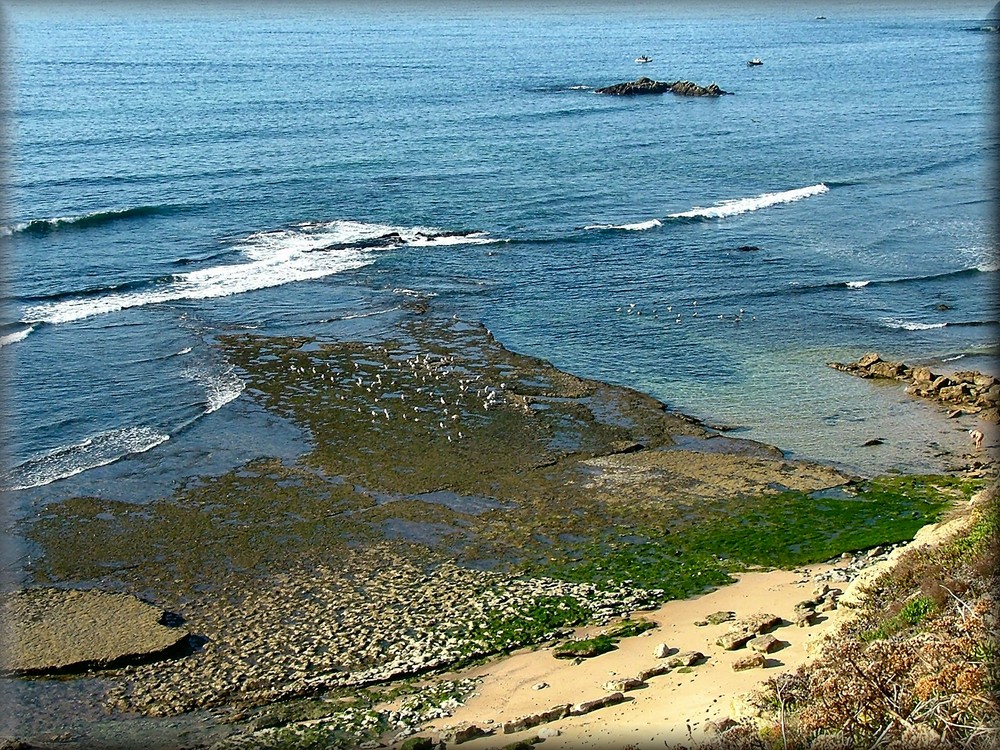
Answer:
[(395, 556)]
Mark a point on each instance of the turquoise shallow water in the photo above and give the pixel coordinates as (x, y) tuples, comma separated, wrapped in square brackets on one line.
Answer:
[(179, 173)]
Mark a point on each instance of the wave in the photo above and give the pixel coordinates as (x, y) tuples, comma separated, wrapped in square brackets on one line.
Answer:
[(743, 205), (83, 221), (96, 291), (202, 259), (310, 250), (221, 386), (98, 450), (13, 338), (908, 325), (637, 227), (797, 288)]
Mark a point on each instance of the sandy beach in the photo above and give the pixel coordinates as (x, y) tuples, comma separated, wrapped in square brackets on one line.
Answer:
[(669, 709)]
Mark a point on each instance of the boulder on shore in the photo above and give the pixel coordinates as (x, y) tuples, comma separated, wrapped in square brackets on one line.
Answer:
[(649, 86)]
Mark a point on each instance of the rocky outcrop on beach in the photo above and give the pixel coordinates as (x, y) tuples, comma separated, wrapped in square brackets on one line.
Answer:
[(649, 86), (52, 631), (967, 391)]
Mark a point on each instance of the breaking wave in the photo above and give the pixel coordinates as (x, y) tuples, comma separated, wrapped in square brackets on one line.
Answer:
[(637, 227), (744, 205), (98, 450), (221, 386), (13, 338), (310, 250), (910, 325)]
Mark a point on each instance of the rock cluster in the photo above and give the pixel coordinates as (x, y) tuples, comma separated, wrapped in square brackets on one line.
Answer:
[(649, 86), (970, 391), (742, 631)]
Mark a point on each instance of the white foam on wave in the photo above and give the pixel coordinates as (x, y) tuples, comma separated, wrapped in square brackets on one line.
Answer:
[(475, 238), (310, 250), (909, 325), (98, 450), (858, 284), (743, 205), (990, 266), (221, 386), (637, 227), (185, 350), (952, 359), (13, 338)]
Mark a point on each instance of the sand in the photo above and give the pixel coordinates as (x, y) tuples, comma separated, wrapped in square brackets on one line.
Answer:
[(662, 712)]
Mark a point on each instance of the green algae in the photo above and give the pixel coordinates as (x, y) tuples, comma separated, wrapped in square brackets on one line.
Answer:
[(784, 529), (601, 643)]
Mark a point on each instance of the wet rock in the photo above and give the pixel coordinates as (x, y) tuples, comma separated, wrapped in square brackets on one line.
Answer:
[(973, 391), (648, 86)]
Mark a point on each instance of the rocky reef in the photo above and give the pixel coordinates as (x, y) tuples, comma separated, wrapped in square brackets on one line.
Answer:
[(649, 86), (967, 391)]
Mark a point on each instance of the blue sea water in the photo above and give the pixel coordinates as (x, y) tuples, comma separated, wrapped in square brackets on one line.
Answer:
[(177, 173)]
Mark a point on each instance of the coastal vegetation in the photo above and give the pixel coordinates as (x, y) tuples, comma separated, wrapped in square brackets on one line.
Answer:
[(916, 666)]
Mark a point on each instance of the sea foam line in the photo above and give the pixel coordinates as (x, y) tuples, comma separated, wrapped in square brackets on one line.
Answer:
[(743, 205), (98, 450)]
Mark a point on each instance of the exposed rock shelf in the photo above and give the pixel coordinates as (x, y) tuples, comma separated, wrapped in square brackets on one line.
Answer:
[(50, 631)]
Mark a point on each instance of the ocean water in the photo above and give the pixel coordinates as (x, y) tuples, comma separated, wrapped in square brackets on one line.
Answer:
[(178, 173)]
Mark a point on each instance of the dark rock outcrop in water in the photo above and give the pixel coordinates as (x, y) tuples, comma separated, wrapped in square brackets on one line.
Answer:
[(971, 391), (649, 86)]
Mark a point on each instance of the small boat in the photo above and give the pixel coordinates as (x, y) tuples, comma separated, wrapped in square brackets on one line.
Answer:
[(755, 61), (643, 59), (820, 18)]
